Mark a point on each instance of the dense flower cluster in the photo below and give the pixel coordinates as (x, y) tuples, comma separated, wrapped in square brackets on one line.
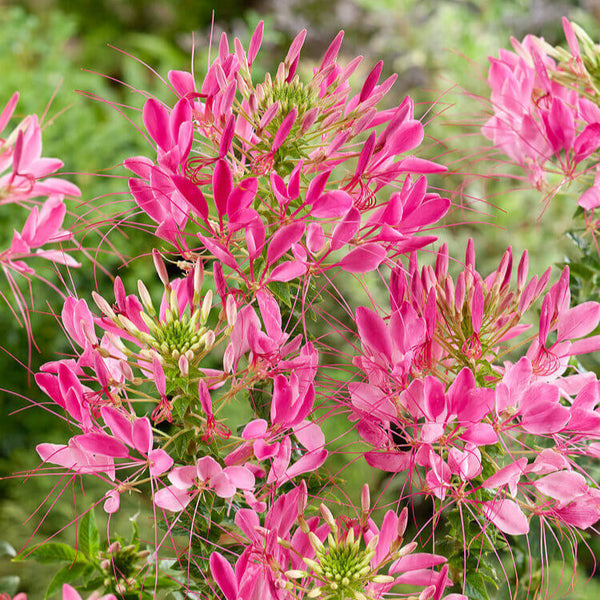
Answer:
[(546, 114), (215, 397), (23, 177)]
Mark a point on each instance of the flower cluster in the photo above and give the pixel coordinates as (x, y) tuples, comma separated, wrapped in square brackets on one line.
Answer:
[(23, 177), (546, 115), (294, 557), (437, 400), (216, 393)]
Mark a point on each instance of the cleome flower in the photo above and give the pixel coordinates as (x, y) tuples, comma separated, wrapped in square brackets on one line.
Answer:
[(291, 556)]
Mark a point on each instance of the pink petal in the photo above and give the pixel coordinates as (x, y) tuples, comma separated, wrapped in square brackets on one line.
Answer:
[(333, 204), (507, 516), (156, 120), (222, 486), (283, 239), (578, 321), (172, 498), (564, 486), (69, 593), (394, 462), (224, 576), (222, 185), (309, 434), (208, 468), (100, 443), (373, 332), (287, 271), (363, 259), (160, 462), (142, 435), (192, 195), (418, 560), (240, 477), (346, 229)]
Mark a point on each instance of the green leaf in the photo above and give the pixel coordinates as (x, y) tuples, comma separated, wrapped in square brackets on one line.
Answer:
[(281, 291), (180, 444), (51, 552), (88, 539), (475, 587), (135, 534), (180, 405), (67, 574)]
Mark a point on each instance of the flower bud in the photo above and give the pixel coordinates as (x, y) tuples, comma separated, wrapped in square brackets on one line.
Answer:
[(206, 307), (160, 267)]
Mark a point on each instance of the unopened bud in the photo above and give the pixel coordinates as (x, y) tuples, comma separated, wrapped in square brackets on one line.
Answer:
[(208, 339), (231, 310), (129, 325), (206, 307), (88, 332), (328, 517), (160, 267), (228, 357), (116, 341), (184, 365), (365, 499), (103, 305), (173, 303), (315, 542), (296, 574), (373, 543), (402, 522), (198, 277), (145, 297), (427, 593), (382, 579), (405, 550)]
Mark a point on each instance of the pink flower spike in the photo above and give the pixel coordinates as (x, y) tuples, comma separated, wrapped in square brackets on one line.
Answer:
[(370, 82), (295, 48), (331, 53)]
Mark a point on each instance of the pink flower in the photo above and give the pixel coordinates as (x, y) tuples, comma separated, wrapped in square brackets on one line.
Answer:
[(187, 482)]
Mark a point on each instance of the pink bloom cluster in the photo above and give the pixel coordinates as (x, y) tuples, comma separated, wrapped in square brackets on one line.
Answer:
[(23, 177), (269, 178), (293, 557), (212, 401), (438, 402), (546, 116)]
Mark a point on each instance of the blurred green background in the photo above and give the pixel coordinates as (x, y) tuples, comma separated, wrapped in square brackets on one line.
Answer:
[(62, 54)]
